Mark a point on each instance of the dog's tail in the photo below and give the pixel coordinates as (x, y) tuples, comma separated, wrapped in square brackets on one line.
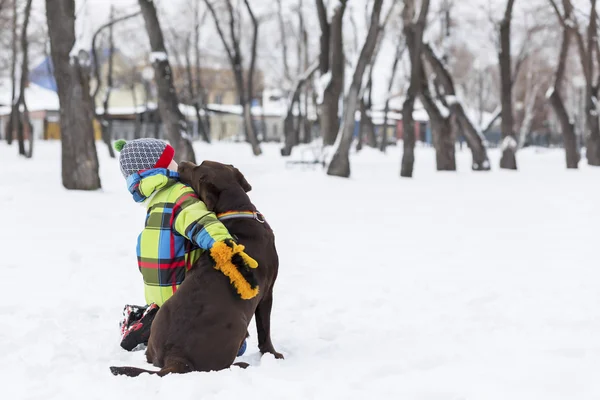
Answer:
[(175, 368), (131, 371)]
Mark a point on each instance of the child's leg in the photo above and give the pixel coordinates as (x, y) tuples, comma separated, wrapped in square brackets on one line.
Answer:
[(138, 330), (131, 313)]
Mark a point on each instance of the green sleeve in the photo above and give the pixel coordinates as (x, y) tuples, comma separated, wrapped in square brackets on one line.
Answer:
[(196, 223)]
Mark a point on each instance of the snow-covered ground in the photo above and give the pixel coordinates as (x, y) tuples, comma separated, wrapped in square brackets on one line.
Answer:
[(448, 286)]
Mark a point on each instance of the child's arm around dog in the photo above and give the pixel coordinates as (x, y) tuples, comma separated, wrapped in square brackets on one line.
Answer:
[(196, 223)]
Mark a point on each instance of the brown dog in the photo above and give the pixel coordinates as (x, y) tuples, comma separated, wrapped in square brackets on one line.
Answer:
[(203, 325)]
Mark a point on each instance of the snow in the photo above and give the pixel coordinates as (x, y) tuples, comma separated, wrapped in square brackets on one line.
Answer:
[(570, 22), (157, 56), (550, 92), (451, 100), (37, 98), (443, 110), (596, 105), (509, 143), (321, 84), (185, 135), (376, 298)]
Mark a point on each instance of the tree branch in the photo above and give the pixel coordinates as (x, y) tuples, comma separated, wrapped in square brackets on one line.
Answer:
[(324, 39), (95, 53), (558, 13), (228, 49), (253, 55), (286, 67)]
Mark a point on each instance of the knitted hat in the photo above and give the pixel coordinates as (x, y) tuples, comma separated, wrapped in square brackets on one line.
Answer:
[(141, 154)]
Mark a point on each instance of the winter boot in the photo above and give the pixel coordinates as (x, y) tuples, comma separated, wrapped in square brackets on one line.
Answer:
[(131, 314), (138, 331)]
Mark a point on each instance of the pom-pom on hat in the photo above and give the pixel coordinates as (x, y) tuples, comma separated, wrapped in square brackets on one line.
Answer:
[(141, 154)]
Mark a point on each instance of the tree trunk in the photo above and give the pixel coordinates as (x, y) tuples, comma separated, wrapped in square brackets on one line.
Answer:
[(331, 97), (10, 130), (340, 163), (198, 89), (307, 126), (384, 136), (168, 105), (194, 95), (371, 140), (234, 55), (568, 130), (473, 137), (441, 126), (138, 123), (106, 124), (23, 115), (250, 130), (325, 38), (362, 124), (414, 40), (592, 107), (283, 38), (79, 158), (509, 141), (106, 128)]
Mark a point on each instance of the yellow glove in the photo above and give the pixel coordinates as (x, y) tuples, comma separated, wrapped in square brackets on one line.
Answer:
[(230, 258)]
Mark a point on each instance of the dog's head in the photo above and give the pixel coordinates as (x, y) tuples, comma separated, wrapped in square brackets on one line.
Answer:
[(211, 178)]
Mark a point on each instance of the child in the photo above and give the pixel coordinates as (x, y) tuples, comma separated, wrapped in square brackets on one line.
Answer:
[(178, 229)]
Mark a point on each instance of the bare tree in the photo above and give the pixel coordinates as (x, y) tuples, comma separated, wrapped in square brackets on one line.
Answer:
[(79, 158), (291, 135), (397, 57), (284, 43), (13, 76), (413, 31), (293, 132), (232, 47), (332, 65), (591, 90), (191, 89), (325, 38), (197, 91), (168, 103), (366, 130), (568, 128), (532, 88), (441, 127), (509, 141), (20, 109), (472, 135), (366, 125), (247, 109), (304, 124), (340, 163), (105, 123)]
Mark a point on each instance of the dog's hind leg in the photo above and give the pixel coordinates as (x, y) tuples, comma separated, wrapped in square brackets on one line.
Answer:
[(242, 365), (263, 325), (175, 367)]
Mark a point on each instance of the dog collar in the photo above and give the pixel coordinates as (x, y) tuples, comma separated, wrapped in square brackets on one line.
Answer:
[(242, 214)]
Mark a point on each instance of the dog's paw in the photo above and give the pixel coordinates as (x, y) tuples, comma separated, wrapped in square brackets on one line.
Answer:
[(242, 365), (278, 356)]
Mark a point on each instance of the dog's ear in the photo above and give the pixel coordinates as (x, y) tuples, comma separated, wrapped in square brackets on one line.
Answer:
[(242, 180)]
